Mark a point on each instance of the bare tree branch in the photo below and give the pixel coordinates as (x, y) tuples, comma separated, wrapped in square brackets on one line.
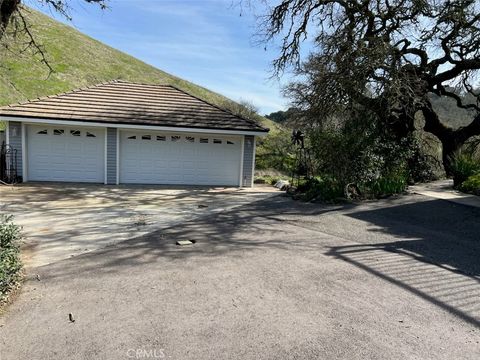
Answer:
[(12, 15), (32, 43)]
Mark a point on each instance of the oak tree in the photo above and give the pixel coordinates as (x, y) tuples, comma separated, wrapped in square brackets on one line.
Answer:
[(386, 56)]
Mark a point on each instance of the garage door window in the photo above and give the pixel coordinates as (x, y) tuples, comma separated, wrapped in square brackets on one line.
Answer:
[(189, 139), (89, 134), (175, 138), (230, 142), (58, 131), (43, 132), (146, 137), (161, 138), (75, 132), (217, 141), (203, 141)]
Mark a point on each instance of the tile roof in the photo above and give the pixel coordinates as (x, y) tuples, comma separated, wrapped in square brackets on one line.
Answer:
[(121, 102)]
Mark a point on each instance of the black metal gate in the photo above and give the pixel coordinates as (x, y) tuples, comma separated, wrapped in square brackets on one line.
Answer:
[(8, 164)]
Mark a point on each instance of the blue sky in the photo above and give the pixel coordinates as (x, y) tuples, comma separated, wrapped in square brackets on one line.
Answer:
[(203, 41)]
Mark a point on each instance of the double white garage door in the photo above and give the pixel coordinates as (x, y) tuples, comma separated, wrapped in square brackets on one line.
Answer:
[(56, 153)]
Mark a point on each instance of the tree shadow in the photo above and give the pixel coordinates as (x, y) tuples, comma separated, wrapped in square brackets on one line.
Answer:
[(429, 248), (68, 219), (436, 259), (219, 234), (436, 231)]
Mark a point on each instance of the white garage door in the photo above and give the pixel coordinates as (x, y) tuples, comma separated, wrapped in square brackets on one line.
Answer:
[(60, 153), (190, 159)]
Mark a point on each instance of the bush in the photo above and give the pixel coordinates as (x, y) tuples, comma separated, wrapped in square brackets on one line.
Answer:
[(393, 183), (463, 165), (425, 164), (358, 158), (275, 152), (358, 150), (471, 185), (324, 189), (10, 264)]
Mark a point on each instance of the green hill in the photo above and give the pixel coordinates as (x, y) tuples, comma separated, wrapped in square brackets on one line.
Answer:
[(78, 61)]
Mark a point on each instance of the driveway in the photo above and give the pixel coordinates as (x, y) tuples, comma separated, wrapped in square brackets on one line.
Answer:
[(271, 279), (65, 220)]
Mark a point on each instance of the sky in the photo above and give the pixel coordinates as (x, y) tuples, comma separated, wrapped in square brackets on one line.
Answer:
[(208, 42)]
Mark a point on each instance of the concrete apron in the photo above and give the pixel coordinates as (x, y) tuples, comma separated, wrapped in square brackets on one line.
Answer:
[(443, 190), (61, 221)]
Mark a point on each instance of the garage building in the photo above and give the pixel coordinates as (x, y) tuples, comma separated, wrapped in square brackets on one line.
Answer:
[(126, 133)]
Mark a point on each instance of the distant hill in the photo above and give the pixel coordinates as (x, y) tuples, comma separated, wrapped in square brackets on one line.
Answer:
[(79, 61), (450, 114)]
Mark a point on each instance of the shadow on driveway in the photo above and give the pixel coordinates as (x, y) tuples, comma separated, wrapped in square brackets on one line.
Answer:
[(65, 220), (429, 248), (215, 235), (265, 278), (437, 257)]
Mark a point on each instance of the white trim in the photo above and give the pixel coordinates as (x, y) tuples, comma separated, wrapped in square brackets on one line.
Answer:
[(105, 156), (118, 157), (24, 153), (241, 161), (180, 133), (129, 126), (7, 133), (253, 160)]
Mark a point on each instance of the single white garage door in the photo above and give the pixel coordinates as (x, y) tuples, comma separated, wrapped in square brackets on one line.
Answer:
[(61, 153), (189, 159)]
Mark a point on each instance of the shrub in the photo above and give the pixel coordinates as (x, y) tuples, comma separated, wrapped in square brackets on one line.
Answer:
[(10, 264), (275, 152), (425, 164), (471, 185), (463, 165), (329, 189), (324, 189), (358, 150), (394, 183)]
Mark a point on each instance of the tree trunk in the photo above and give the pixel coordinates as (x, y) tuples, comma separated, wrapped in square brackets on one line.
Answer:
[(452, 140), (7, 8), (449, 147)]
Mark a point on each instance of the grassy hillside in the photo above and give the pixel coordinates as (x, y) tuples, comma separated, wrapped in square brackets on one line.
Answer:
[(79, 61)]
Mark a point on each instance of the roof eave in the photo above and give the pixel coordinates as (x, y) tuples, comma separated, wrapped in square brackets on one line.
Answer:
[(131, 125)]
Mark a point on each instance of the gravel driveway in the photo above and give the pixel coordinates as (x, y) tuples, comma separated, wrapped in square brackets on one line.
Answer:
[(272, 279)]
